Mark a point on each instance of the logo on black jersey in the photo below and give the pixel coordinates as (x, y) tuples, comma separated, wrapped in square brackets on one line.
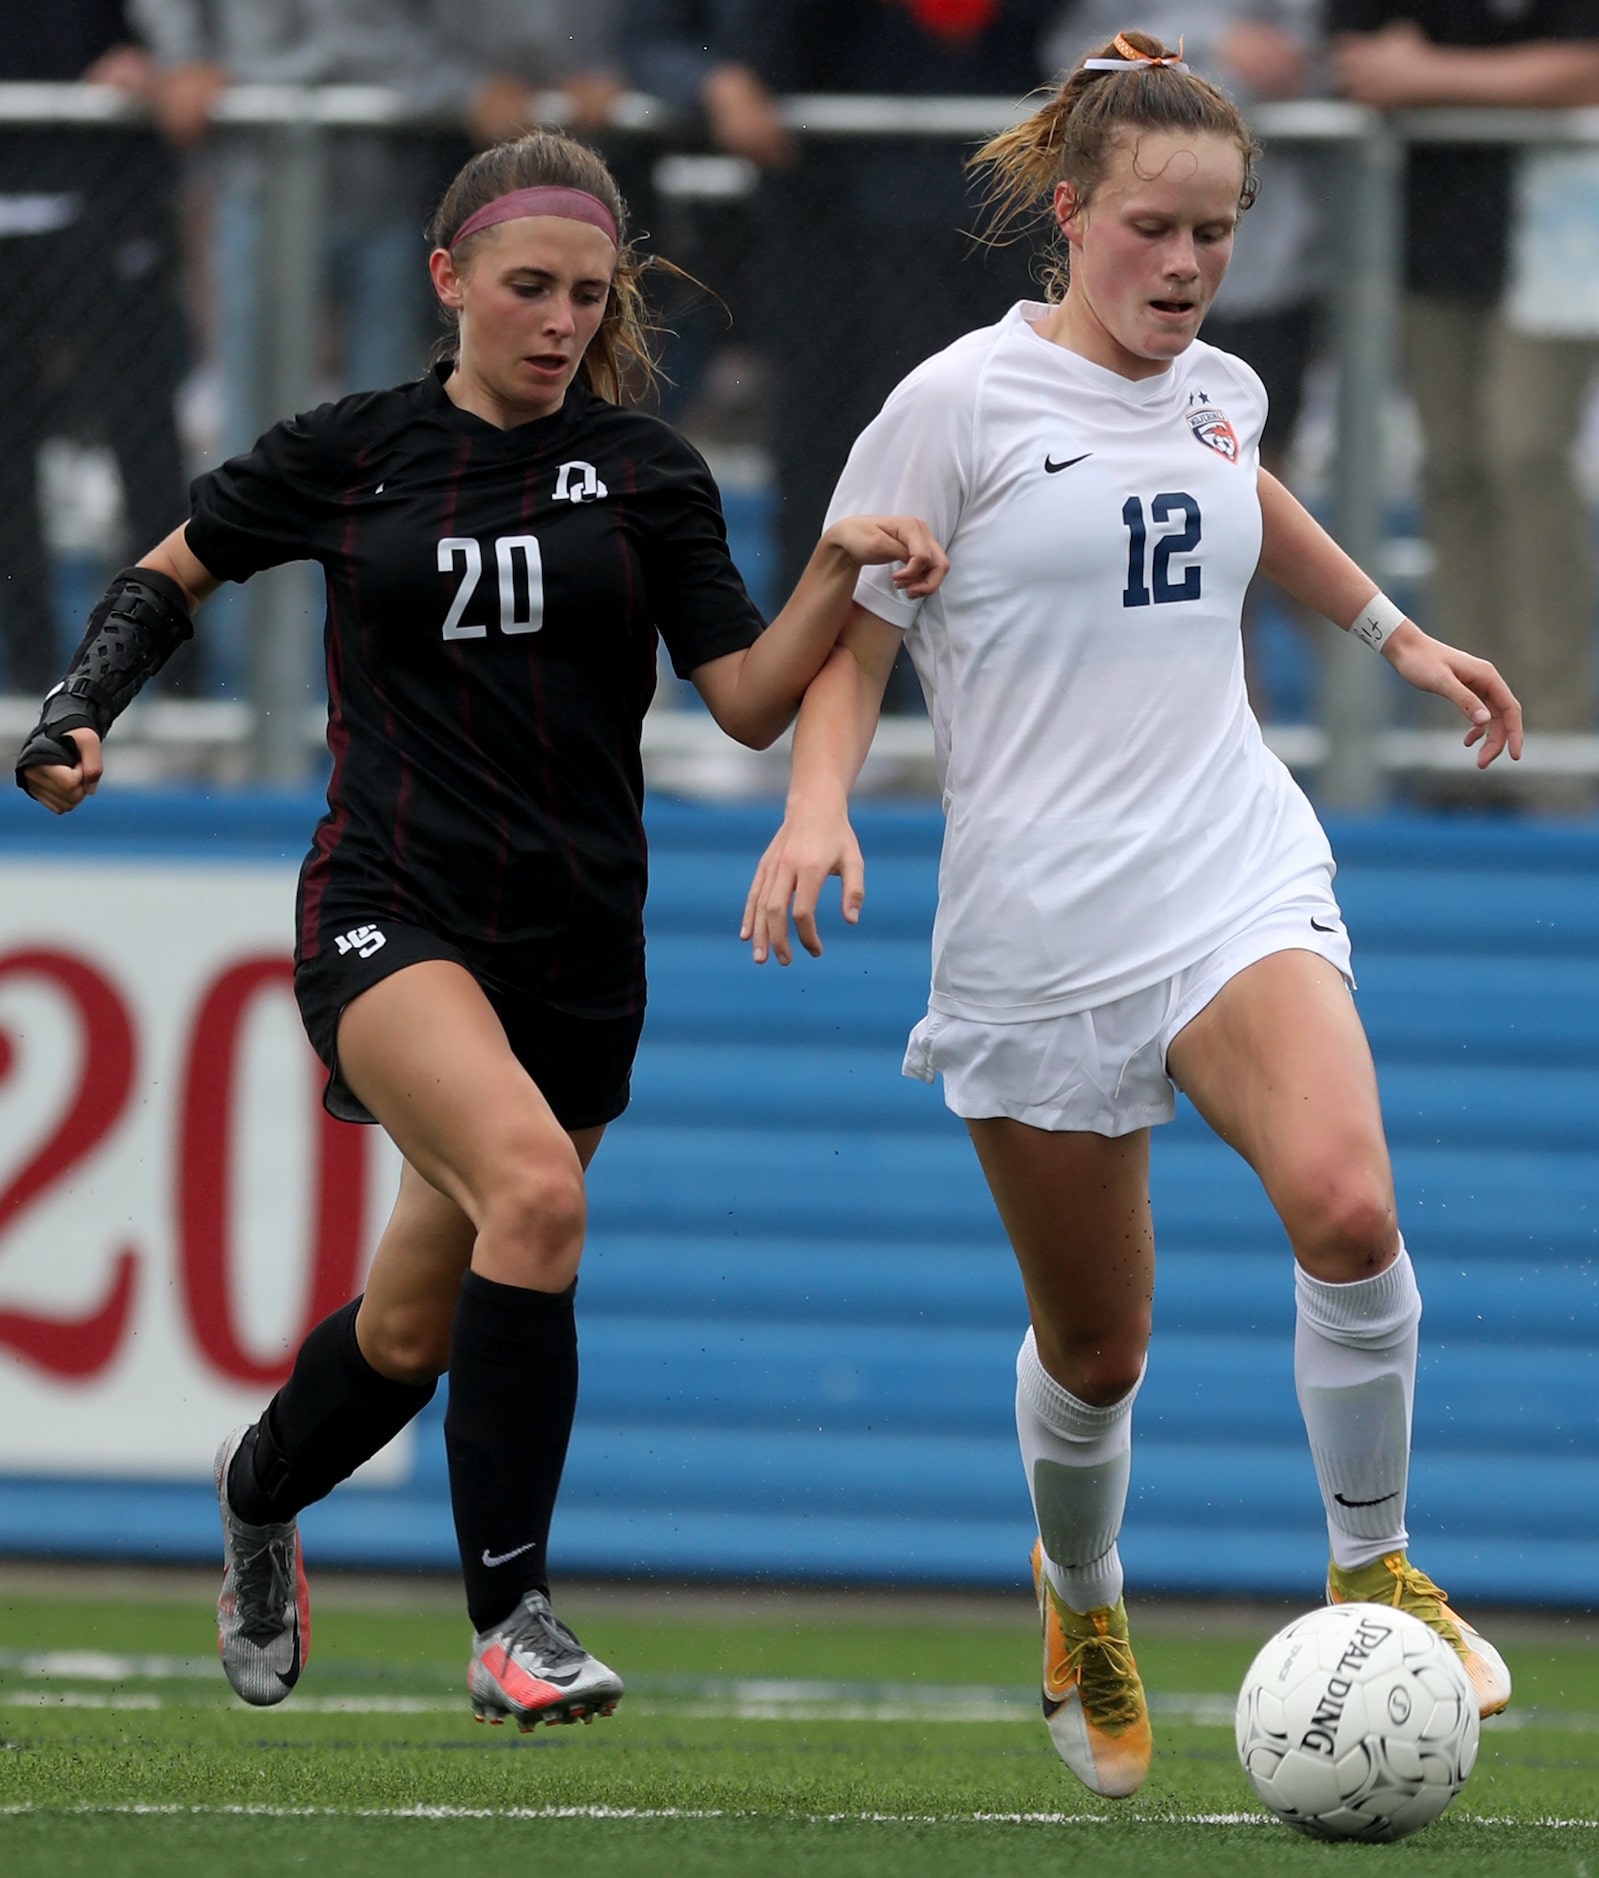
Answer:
[(1054, 469), (1211, 427), (362, 940), (578, 482)]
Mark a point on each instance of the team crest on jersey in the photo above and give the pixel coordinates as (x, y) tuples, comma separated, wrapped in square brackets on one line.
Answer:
[(578, 482), (1211, 427)]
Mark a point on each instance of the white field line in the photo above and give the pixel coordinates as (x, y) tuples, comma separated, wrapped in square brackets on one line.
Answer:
[(142, 1809), (733, 1708), (106, 1666), (699, 1699), (710, 1698)]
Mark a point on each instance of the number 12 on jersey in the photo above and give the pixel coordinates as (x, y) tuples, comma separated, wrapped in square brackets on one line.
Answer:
[(521, 571), (1176, 541)]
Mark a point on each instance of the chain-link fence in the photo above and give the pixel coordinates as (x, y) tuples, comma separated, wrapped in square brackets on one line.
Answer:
[(93, 355), (158, 317)]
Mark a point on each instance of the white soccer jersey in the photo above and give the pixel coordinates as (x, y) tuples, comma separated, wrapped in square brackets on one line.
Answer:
[(1112, 813)]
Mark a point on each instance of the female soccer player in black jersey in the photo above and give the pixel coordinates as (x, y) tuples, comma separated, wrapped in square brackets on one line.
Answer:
[(502, 542)]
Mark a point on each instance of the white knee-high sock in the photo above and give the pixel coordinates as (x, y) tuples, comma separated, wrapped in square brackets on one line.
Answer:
[(1355, 1371), (1077, 1458)]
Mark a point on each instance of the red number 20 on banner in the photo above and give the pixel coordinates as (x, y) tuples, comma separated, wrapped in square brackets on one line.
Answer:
[(78, 1347)]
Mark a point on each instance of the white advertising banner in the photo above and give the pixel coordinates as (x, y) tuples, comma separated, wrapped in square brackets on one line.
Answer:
[(175, 1208)]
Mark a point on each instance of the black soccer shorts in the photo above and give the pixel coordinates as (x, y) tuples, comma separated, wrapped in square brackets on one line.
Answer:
[(581, 1065)]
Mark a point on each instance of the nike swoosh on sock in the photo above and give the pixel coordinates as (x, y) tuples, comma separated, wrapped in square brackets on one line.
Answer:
[(504, 1558)]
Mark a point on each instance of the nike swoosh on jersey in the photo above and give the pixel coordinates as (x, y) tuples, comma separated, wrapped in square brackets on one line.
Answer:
[(1054, 469), (506, 1557), (1316, 923)]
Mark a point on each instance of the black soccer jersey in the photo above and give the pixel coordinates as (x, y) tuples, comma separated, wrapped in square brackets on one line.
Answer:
[(493, 600)]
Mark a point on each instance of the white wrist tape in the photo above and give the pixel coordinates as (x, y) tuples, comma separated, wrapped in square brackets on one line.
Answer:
[(1376, 621)]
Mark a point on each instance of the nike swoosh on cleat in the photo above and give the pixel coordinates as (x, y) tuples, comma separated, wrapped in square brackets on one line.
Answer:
[(1054, 469), (505, 1557), (1357, 1503)]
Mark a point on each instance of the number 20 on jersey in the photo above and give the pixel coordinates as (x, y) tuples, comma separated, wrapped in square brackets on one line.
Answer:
[(521, 571)]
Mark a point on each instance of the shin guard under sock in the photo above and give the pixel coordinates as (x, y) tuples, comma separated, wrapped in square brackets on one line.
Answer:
[(1078, 1458), (1355, 1372), (334, 1412), (513, 1392)]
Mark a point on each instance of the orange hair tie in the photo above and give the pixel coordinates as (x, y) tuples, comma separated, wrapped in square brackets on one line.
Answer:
[(1131, 56)]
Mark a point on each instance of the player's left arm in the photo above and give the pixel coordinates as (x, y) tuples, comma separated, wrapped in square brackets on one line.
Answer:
[(1305, 561), (754, 693)]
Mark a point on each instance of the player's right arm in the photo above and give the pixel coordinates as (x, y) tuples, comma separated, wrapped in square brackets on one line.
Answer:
[(131, 633), (831, 738), (254, 511), (178, 561), (915, 458)]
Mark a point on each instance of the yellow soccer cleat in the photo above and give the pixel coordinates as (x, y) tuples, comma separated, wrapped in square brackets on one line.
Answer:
[(1094, 1703), (1392, 1579)]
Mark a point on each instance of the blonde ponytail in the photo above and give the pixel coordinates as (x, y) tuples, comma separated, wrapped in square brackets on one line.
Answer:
[(1070, 136)]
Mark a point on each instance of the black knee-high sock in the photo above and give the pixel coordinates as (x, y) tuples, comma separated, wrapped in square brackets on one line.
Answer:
[(333, 1413), (513, 1392)]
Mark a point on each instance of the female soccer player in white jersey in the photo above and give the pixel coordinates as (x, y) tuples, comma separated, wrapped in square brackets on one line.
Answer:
[(1133, 892)]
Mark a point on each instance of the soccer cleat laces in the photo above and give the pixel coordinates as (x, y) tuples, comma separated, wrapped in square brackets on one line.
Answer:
[(1393, 1580), (1093, 1699), (532, 1669), (264, 1607)]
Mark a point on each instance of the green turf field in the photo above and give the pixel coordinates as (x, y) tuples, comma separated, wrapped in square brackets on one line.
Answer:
[(759, 1735)]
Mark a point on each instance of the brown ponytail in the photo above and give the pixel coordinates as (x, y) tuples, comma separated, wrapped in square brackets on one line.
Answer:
[(619, 355), (1069, 138)]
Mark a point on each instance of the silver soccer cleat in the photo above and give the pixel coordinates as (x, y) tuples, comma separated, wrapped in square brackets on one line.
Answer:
[(264, 1608), (531, 1669)]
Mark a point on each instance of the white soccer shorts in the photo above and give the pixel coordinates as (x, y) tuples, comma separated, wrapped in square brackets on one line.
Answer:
[(1103, 1071)]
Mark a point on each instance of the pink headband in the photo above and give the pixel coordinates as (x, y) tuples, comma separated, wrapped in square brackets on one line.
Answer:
[(576, 205)]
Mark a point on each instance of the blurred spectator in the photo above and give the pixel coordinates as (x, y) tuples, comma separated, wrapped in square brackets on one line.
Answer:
[(1499, 408), (516, 49), (676, 50), (866, 268), (91, 337), (380, 186)]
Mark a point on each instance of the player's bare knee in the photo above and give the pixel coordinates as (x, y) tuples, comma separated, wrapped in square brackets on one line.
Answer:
[(1107, 1378), (407, 1343), (1344, 1228), (1097, 1370), (535, 1217)]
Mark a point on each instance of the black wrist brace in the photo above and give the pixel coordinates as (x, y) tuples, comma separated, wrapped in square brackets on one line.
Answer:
[(139, 622)]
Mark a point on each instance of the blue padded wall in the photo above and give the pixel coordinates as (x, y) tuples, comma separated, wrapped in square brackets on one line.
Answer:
[(799, 1316)]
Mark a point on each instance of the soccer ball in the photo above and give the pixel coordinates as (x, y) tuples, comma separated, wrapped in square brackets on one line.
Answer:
[(1357, 1722)]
